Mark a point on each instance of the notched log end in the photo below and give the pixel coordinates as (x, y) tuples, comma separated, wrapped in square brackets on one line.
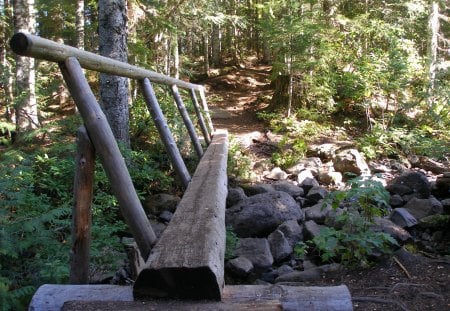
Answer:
[(20, 43), (180, 283)]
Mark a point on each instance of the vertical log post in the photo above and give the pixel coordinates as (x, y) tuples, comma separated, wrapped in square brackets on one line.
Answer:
[(164, 132), (201, 120), (81, 213), (187, 121), (110, 156), (205, 109)]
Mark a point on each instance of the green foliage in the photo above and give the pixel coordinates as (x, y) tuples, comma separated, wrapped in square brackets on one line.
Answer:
[(291, 152), (231, 243), (239, 163), (354, 242), (300, 250)]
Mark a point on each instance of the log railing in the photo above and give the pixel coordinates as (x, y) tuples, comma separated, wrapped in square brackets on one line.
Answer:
[(96, 137)]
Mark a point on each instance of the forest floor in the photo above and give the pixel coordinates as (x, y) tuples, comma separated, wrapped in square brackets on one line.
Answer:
[(407, 281)]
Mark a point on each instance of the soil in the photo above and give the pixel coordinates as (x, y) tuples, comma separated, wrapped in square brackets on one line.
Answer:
[(407, 281)]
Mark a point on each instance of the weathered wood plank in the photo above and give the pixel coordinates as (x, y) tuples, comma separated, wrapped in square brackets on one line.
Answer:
[(81, 212), (188, 260), (37, 47), (236, 297), (164, 132), (112, 160)]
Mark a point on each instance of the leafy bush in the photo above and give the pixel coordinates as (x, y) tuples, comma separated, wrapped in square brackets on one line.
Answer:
[(291, 152), (354, 242), (231, 243), (238, 161)]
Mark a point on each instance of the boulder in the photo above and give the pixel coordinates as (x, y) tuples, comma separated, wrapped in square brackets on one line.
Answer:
[(316, 194), (300, 276), (240, 266), (414, 183), (313, 164), (279, 246), (165, 216), (303, 176), (396, 200), (442, 188), (387, 226), (259, 215), (351, 161), (155, 204), (235, 195), (277, 174), (311, 229), (308, 183), (252, 190), (256, 250), (446, 205), (292, 231), (401, 217), (330, 178), (324, 151), (317, 212), (421, 208), (288, 187)]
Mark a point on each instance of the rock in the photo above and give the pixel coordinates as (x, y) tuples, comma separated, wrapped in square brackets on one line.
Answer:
[(330, 268), (324, 151), (258, 215), (446, 206), (155, 204), (331, 219), (443, 186), (303, 176), (435, 222), (279, 246), (396, 200), (165, 216), (235, 195), (313, 164), (284, 269), (256, 250), (311, 229), (277, 174), (329, 178), (257, 189), (157, 226), (300, 276), (410, 183), (421, 208), (387, 226), (316, 194), (317, 212), (269, 276), (308, 183), (240, 266), (401, 217), (431, 165), (288, 187), (351, 161), (292, 231)]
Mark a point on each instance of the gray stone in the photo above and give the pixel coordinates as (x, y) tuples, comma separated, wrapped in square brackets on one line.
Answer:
[(300, 276), (279, 246), (443, 186), (350, 161), (288, 187), (277, 174), (155, 204), (317, 212), (311, 229), (259, 215), (157, 226), (330, 178), (324, 151), (165, 216), (303, 176), (331, 268), (316, 194), (396, 200), (292, 231), (410, 183), (256, 250), (446, 206), (421, 208), (401, 217), (240, 266), (257, 189), (308, 183), (313, 164), (387, 226), (235, 195)]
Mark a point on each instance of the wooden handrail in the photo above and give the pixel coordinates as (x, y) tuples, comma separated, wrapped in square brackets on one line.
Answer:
[(29, 45)]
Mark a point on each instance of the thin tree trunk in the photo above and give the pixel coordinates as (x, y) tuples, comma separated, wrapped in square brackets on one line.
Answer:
[(113, 33), (434, 30), (215, 46), (176, 57), (206, 54), (26, 105), (6, 65), (79, 24)]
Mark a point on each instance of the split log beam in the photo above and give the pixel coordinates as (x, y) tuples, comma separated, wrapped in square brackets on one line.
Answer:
[(112, 160), (235, 297), (188, 260), (81, 213)]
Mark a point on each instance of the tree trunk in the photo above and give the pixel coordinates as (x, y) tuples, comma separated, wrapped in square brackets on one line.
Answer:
[(215, 46), (206, 54), (5, 63), (26, 106), (176, 57), (434, 30), (113, 32), (79, 24)]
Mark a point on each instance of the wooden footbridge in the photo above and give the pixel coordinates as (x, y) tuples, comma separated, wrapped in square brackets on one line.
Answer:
[(184, 269)]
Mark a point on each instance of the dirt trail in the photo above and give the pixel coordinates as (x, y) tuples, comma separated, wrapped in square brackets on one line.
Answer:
[(234, 99)]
